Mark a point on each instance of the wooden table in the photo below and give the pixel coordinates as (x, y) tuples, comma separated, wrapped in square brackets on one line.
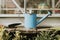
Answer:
[(24, 30)]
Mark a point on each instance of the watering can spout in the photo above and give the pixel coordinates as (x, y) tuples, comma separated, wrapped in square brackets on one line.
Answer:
[(44, 17)]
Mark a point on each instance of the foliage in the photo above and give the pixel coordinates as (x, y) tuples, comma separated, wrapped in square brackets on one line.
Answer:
[(47, 35)]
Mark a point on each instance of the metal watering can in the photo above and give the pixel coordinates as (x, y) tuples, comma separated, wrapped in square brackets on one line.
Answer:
[(30, 20)]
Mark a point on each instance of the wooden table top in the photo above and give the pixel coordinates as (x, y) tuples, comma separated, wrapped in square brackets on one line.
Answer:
[(22, 29)]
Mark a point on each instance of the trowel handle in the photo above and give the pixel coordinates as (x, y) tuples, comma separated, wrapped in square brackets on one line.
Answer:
[(13, 25)]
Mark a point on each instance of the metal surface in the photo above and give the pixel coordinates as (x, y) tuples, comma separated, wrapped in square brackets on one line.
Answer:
[(44, 17), (30, 20)]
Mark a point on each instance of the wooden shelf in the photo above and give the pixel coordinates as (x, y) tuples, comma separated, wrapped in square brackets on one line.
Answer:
[(11, 15), (21, 15), (53, 15), (29, 9), (22, 29)]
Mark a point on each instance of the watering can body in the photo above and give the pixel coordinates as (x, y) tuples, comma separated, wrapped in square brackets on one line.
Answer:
[(30, 20)]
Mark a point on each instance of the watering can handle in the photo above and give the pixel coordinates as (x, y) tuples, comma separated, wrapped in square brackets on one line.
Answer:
[(44, 17)]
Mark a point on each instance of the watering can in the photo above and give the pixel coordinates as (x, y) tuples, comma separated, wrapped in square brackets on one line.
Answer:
[(30, 20)]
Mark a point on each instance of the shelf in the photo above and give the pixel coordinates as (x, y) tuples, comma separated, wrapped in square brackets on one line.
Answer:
[(29, 9), (21, 15), (53, 15), (43, 9), (29, 30), (9, 9), (11, 15)]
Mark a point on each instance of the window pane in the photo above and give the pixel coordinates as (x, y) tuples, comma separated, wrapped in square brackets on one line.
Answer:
[(8, 7), (39, 3)]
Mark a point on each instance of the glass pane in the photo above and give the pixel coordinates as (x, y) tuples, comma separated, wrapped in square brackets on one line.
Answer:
[(44, 4), (21, 3), (39, 3), (8, 7)]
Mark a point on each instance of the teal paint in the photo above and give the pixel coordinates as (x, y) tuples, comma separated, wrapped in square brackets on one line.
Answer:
[(44, 17), (30, 20)]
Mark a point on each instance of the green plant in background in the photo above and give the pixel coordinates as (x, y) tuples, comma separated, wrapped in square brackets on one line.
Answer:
[(44, 12), (47, 35)]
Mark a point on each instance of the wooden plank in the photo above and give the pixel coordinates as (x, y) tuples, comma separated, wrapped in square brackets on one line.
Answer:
[(22, 29)]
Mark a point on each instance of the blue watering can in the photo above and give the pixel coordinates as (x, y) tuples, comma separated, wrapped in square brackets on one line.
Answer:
[(30, 20)]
